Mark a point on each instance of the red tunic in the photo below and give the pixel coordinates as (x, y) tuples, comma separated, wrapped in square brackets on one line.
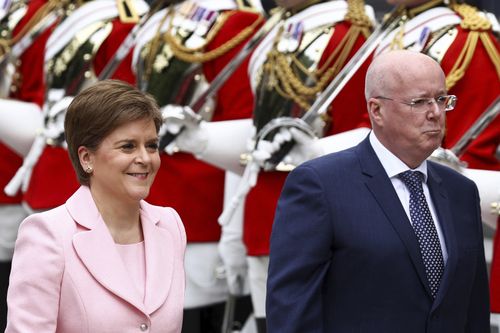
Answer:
[(477, 89), (54, 180), (192, 187), (30, 89), (348, 111)]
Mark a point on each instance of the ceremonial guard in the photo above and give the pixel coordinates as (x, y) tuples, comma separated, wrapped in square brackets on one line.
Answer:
[(288, 70), (462, 39), (180, 51), (76, 52), (24, 30)]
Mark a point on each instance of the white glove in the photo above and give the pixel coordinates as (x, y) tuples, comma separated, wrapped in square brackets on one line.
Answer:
[(231, 248), (305, 148), (186, 126), (233, 255)]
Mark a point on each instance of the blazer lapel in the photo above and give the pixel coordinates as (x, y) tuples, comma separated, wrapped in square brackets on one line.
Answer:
[(380, 186), (439, 197), (159, 259), (96, 249)]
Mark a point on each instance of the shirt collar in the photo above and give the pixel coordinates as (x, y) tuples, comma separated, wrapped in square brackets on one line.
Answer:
[(392, 165)]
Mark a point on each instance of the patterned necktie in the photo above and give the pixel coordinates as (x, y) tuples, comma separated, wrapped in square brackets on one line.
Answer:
[(425, 229)]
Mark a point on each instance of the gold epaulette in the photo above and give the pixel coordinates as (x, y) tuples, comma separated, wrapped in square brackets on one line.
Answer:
[(471, 19), (199, 54), (478, 29)]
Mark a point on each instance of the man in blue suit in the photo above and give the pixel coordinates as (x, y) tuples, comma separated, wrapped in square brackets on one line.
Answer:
[(376, 238)]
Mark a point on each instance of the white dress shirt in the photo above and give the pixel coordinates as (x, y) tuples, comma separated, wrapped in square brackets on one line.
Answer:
[(393, 166)]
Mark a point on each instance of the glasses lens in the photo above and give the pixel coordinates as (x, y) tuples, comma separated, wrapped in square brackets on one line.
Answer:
[(451, 101)]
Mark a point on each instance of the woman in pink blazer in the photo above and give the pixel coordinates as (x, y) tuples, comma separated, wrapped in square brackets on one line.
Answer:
[(106, 261)]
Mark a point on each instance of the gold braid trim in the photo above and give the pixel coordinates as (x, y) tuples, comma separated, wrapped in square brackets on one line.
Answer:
[(43, 11), (356, 15), (397, 41), (289, 79), (4, 47), (463, 60), (471, 20), (197, 54), (478, 29), (293, 87), (492, 51)]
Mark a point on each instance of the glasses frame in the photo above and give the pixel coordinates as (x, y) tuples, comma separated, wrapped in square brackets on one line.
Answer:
[(449, 103)]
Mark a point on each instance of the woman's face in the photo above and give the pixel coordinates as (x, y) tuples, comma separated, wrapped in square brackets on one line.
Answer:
[(125, 164)]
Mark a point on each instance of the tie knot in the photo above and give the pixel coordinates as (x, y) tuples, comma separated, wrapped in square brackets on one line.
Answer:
[(412, 179)]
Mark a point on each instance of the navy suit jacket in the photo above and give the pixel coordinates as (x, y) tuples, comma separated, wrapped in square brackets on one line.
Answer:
[(344, 256)]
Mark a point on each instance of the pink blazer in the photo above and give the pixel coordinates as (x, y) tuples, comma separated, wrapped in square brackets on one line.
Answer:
[(67, 275)]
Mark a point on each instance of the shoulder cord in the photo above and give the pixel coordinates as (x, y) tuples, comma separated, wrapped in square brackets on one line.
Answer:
[(478, 28), (44, 10), (279, 64), (197, 54)]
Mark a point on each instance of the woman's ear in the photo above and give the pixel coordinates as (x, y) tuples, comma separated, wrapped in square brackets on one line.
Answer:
[(85, 156)]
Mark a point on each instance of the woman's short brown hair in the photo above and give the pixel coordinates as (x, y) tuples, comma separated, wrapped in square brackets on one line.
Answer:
[(98, 110)]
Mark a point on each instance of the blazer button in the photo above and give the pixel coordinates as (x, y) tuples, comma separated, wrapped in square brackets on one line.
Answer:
[(143, 327)]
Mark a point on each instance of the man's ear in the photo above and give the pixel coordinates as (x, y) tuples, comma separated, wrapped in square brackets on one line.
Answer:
[(85, 156), (374, 110)]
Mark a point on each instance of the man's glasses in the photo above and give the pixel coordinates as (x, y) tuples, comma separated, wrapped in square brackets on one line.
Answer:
[(444, 102)]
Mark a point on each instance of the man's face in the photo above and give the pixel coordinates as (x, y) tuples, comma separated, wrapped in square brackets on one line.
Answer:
[(409, 132)]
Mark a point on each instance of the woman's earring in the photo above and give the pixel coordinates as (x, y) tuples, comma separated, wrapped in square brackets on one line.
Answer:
[(89, 169)]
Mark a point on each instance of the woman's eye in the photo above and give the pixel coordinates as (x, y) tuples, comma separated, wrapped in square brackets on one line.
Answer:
[(153, 146), (127, 146)]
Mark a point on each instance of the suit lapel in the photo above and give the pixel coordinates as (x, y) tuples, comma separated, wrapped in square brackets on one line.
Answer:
[(380, 186), (97, 251), (159, 260), (441, 202)]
